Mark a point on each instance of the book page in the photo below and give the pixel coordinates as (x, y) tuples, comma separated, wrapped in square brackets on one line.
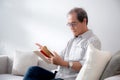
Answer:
[(42, 56)]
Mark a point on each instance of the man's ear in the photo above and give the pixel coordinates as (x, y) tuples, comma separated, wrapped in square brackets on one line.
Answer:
[(85, 21)]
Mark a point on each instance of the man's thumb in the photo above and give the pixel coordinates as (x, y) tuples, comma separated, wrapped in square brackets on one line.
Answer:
[(55, 54)]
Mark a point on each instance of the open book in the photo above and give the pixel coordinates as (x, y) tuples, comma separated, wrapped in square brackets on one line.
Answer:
[(44, 54)]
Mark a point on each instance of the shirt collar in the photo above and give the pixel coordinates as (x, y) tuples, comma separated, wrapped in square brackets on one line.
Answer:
[(87, 34)]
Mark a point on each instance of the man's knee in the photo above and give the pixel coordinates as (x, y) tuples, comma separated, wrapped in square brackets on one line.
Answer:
[(32, 69)]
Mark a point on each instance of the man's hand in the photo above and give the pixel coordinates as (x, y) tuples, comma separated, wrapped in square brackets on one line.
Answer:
[(39, 45), (56, 59)]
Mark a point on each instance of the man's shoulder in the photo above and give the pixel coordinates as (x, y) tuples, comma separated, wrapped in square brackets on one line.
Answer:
[(94, 37), (95, 41)]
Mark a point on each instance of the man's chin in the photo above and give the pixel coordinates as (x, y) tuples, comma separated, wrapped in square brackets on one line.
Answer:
[(75, 35)]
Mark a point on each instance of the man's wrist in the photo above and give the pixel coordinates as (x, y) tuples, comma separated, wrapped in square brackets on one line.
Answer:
[(70, 64)]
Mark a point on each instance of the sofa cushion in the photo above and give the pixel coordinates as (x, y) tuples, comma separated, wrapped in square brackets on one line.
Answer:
[(22, 61), (116, 77), (10, 77), (113, 67), (10, 64), (94, 65)]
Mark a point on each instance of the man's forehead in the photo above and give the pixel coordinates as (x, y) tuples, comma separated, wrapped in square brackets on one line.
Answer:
[(72, 15), (72, 18)]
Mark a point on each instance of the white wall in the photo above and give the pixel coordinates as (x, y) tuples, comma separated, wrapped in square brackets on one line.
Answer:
[(24, 22)]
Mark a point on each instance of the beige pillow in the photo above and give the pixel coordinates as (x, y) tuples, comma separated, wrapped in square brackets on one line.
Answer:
[(94, 65), (22, 61)]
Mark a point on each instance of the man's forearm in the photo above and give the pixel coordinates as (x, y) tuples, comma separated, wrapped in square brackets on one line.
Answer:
[(76, 65)]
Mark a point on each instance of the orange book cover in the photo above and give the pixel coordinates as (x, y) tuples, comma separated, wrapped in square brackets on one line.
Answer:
[(44, 50)]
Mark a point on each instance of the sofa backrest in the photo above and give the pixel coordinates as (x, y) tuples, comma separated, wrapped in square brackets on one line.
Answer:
[(10, 64), (113, 67)]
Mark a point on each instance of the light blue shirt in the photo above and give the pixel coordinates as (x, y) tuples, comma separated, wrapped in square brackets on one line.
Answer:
[(76, 51)]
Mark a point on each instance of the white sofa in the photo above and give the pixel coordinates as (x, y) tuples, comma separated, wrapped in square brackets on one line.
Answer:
[(6, 64)]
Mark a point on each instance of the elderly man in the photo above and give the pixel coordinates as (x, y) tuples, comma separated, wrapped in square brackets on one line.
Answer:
[(72, 58)]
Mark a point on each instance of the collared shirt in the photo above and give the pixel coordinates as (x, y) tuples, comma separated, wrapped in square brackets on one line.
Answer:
[(76, 51)]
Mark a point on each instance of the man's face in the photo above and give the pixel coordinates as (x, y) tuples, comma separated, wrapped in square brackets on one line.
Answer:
[(75, 25)]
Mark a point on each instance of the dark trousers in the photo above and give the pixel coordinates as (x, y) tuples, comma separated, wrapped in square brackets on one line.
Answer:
[(38, 73)]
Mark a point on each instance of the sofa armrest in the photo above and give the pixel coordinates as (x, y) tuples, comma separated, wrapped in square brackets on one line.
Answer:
[(3, 64), (116, 77)]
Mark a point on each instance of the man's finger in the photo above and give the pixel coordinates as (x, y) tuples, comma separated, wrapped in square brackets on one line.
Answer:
[(51, 60), (38, 45), (55, 54)]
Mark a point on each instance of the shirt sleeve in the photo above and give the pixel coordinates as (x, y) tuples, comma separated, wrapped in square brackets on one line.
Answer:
[(62, 53), (82, 61), (95, 42)]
